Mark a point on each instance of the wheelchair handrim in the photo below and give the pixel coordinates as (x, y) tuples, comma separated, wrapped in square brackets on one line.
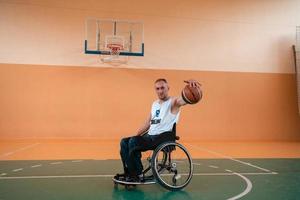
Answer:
[(190, 168)]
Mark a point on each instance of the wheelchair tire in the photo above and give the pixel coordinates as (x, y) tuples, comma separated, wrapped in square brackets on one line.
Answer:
[(170, 179)]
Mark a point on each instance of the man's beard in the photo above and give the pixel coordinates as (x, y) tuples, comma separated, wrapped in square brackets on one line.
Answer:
[(163, 98)]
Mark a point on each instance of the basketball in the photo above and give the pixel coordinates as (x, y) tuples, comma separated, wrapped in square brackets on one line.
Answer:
[(191, 95)]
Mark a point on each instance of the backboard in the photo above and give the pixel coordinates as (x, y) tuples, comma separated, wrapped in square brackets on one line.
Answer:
[(108, 36)]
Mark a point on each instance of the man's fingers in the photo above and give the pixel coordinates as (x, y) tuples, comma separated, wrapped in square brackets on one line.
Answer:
[(193, 83)]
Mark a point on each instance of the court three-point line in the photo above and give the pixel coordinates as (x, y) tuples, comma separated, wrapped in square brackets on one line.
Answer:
[(228, 157)]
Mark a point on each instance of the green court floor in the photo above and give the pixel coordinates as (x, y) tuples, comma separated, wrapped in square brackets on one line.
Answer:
[(91, 179)]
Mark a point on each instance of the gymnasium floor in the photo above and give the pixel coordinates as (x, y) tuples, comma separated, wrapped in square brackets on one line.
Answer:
[(82, 169)]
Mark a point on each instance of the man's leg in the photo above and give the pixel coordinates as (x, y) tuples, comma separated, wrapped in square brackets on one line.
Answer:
[(135, 166), (163, 137), (136, 145), (124, 152)]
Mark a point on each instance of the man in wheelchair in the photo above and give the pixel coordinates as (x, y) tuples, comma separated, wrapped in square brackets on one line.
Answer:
[(156, 130)]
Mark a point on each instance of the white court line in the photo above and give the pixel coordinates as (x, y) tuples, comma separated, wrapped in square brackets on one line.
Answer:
[(62, 176), (56, 163), (212, 166), (246, 191), (34, 166), (16, 170), (76, 160), (230, 158), (110, 176), (197, 164), (3, 174), (18, 150), (230, 174)]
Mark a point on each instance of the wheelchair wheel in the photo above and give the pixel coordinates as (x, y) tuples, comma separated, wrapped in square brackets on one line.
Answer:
[(177, 169), (160, 162)]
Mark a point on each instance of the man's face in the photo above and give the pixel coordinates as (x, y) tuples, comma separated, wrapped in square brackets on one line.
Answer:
[(161, 89)]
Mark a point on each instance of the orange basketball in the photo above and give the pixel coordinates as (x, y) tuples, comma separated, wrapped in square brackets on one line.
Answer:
[(191, 95)]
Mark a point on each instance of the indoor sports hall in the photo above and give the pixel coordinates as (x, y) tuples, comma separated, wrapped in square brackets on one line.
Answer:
[(78, 76)]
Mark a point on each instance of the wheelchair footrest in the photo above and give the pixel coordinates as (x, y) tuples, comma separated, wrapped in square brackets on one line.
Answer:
[(123, 182)]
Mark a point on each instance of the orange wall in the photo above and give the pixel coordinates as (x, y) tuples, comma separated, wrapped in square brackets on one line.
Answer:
[(108, 103), (214, 35), (221, 42)]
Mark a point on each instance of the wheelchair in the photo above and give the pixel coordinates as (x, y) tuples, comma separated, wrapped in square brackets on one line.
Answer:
[(170, 165)]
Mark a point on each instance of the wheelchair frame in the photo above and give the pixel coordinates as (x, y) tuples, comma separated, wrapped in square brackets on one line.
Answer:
[(166, 148)]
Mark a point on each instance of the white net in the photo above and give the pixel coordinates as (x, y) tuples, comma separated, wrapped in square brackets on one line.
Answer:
[(114, 45)]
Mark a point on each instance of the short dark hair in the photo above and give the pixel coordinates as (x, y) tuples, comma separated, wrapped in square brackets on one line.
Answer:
[(161, 79)]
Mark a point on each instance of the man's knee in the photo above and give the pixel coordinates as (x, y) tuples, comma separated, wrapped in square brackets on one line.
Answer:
[(132, 143), (124, 143)]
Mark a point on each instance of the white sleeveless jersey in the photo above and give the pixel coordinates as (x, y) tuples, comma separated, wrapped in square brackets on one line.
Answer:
[(162, 119)]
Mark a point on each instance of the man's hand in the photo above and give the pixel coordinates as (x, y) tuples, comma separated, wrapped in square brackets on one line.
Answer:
[(193, 83), (178, 101), (145, 126)]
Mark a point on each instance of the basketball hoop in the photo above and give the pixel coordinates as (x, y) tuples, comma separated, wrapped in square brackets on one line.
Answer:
[(114, 44), (115, 49)]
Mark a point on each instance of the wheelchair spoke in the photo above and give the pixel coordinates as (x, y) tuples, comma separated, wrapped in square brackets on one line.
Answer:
[(176, 170)]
